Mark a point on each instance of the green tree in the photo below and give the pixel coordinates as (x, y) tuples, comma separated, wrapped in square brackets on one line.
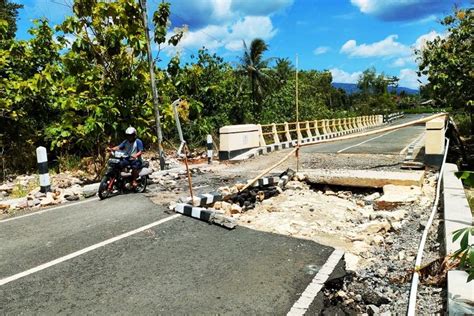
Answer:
[(210, 87), (284, 70), (106, 73), (255, 67), (29, 71), (374, 96), (9, 13), (448, 63)]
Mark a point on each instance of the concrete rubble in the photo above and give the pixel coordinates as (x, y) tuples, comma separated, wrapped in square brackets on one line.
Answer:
[(374, 227)]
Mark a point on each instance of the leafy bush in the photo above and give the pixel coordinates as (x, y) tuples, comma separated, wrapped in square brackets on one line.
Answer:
[(422, 109), (463, 122), (466, 252)]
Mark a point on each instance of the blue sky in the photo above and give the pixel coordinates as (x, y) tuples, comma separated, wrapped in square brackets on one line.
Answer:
[(343, 36)]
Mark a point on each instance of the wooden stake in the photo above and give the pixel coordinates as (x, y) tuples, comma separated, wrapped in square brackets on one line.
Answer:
[(297, 121), (268, 170)]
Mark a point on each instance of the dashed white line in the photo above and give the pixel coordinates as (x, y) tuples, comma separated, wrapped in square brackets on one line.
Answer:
[(48, 209), (83, 251), (366, 141)]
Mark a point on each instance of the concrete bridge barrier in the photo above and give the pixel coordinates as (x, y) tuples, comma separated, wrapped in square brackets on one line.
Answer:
[(237, 139), (434, 141)]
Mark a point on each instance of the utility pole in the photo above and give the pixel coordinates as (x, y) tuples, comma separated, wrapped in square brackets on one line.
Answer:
[(153, 85)]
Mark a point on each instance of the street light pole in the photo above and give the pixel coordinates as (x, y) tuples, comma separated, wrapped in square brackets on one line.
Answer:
[(153, 85)]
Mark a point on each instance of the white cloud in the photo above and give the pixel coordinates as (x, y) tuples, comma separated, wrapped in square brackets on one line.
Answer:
[(228, 36), (198, 14), (402, 10), (389, 48), (224, 24), (341, 76), (409, 78), (421, 41), (403, 61), (247, 29), (321, 50), (386, 47)]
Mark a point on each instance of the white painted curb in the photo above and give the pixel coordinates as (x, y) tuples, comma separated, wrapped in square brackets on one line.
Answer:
[(457, 215)]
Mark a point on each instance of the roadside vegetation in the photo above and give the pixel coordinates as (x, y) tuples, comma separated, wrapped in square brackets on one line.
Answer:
[(448, 63), (76, 87)]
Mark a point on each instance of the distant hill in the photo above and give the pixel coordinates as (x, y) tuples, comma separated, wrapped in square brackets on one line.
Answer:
[(352, 88)]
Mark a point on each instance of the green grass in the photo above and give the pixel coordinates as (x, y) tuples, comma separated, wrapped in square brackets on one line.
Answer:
[(20, 190)]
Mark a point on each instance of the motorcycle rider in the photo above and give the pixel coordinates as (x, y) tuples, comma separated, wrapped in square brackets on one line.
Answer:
[(132, 146)]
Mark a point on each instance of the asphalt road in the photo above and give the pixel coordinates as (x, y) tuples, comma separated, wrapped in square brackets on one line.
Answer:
[(386, 143), (179, 266), (379, 151)]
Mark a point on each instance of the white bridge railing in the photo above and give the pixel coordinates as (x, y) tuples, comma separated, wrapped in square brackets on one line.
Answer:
[(237, 140), (278, 133)]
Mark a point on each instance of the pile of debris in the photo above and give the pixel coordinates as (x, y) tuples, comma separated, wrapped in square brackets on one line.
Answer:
[(229, 201), (23, 192), (378, 229), (355, 222)]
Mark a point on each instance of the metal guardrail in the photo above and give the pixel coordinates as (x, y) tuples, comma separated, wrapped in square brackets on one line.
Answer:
[(387, 118), (278, 133)]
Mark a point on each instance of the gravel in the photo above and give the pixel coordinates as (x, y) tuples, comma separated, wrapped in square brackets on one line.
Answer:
[(382, 283), (386, 282)]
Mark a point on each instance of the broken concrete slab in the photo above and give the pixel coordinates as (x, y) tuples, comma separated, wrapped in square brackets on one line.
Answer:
[(397, 195), (364, 178)]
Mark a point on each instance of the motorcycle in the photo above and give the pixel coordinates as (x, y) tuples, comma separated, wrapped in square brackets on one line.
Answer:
[(117, 179)]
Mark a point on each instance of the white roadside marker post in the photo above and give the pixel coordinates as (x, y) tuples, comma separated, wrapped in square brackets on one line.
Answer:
[(209, 149), (42, 158)]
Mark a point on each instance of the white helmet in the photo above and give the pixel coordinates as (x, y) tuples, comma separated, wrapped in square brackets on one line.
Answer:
[(130, 131)]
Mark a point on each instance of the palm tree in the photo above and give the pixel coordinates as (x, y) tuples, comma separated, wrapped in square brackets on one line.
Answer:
[(283, 70), (255, 67)]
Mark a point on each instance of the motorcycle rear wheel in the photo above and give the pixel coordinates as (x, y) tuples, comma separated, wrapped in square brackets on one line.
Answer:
[(142, 182), (104, 188)]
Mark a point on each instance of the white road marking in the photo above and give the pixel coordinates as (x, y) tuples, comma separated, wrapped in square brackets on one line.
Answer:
[(412, 143), (307, 297), (366, 141), (49, 209), (83, 251)]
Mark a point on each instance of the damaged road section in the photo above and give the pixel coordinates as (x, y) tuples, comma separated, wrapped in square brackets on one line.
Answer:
[(378, 228), (217, 208)]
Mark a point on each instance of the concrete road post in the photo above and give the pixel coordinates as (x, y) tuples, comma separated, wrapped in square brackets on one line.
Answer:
[(42, 159), (209, 149)]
